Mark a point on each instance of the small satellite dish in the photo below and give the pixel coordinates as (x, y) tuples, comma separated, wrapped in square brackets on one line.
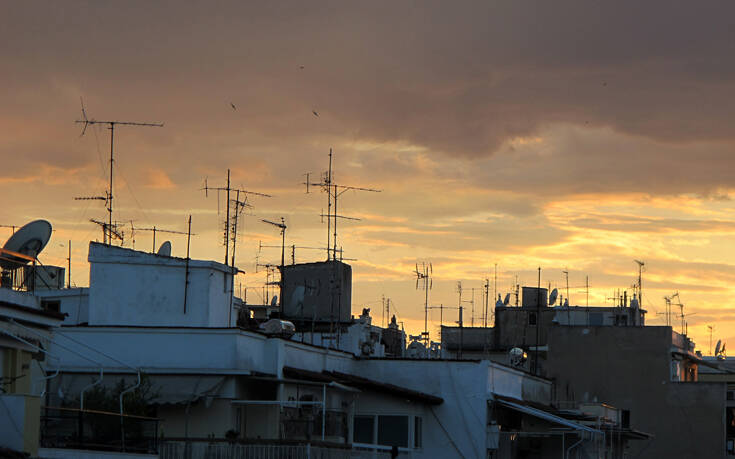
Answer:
[(552, 297), (29, 240), (717, 348), (274, 300), (165, 249), (517, 356), (506, 300)]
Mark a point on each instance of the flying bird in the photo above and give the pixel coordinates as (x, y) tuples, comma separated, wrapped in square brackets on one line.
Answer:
[(233, 106), (315, 113), (301, 67)]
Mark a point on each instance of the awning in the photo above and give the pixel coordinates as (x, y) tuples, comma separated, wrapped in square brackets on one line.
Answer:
[(363, 384), (546, 416)]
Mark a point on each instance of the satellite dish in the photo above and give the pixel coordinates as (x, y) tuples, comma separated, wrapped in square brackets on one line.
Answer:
[(274, 300), (506, 300), (29, 240), (717, 348), (517, 356), (552, 297), (165, 249)]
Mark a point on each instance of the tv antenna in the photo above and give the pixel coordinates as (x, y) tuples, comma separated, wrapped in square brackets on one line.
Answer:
[(111, 126), (334, 191), (239, 206), (109, 231), (282, 226), (640, 281), (424, 278), (155, 230)]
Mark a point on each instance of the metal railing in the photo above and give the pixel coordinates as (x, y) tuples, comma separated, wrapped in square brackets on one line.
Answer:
[(218, 450), (97, 430)]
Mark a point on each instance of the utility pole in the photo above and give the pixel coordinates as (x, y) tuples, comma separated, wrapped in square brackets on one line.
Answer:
[(111, 126), (566, 275), (711, 329)]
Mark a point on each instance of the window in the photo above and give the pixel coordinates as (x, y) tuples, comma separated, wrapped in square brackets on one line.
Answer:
[(532, 318), (363, 429), (393, 431), (417, 432), (49, 305), (731, 395)]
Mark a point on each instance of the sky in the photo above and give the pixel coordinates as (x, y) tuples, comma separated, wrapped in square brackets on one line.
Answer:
[(573, 136)]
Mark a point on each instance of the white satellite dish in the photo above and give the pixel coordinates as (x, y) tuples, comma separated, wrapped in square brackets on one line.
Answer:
[(165, 249), (552, 297), (506, 300), (717, 348), (274, 300), (29, 240)]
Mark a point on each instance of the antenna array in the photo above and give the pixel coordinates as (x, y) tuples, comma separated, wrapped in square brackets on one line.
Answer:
[(334, 191), (109, 195)]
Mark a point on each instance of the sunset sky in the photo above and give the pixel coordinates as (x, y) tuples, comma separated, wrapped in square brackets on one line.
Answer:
[(570, 135)]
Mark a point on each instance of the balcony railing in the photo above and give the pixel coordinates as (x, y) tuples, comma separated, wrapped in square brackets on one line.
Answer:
[(97, 430)]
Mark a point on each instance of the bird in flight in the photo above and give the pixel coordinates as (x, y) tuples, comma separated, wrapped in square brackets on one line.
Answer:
[(315, 113), (301, 67), (233, 106)]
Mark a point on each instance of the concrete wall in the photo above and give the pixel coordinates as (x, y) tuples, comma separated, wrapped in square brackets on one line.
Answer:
[(73, 301), (629, 367), (513, 330), (128, 287), (19, 422)]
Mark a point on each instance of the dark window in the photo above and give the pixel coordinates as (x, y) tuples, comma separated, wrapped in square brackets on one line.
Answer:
[(393, 431), (531, 318), (363, 431), (731, 395), (417, 432), (54, 306)]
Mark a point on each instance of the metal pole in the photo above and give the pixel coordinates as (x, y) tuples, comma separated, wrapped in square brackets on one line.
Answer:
[(112, 136), (68, 282), (324, 409), (186, 280)]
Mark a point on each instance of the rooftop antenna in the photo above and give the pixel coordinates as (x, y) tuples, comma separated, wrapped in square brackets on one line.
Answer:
[(424, 278), (334, 191), (109, 231), (238, 205), (282, 226), (155, 230), (711, 328), (111, 126), (640, 281), (566, 275)]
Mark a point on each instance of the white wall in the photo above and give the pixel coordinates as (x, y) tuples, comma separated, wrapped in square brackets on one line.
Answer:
[(128, 287), (73, 301)]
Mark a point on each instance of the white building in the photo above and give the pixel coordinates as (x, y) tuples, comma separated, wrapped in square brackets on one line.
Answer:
[(214, 381)]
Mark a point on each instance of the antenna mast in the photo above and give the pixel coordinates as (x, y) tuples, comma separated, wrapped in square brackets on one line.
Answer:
[(111, 126), (334, 191), (157, 230), (424, 277)]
